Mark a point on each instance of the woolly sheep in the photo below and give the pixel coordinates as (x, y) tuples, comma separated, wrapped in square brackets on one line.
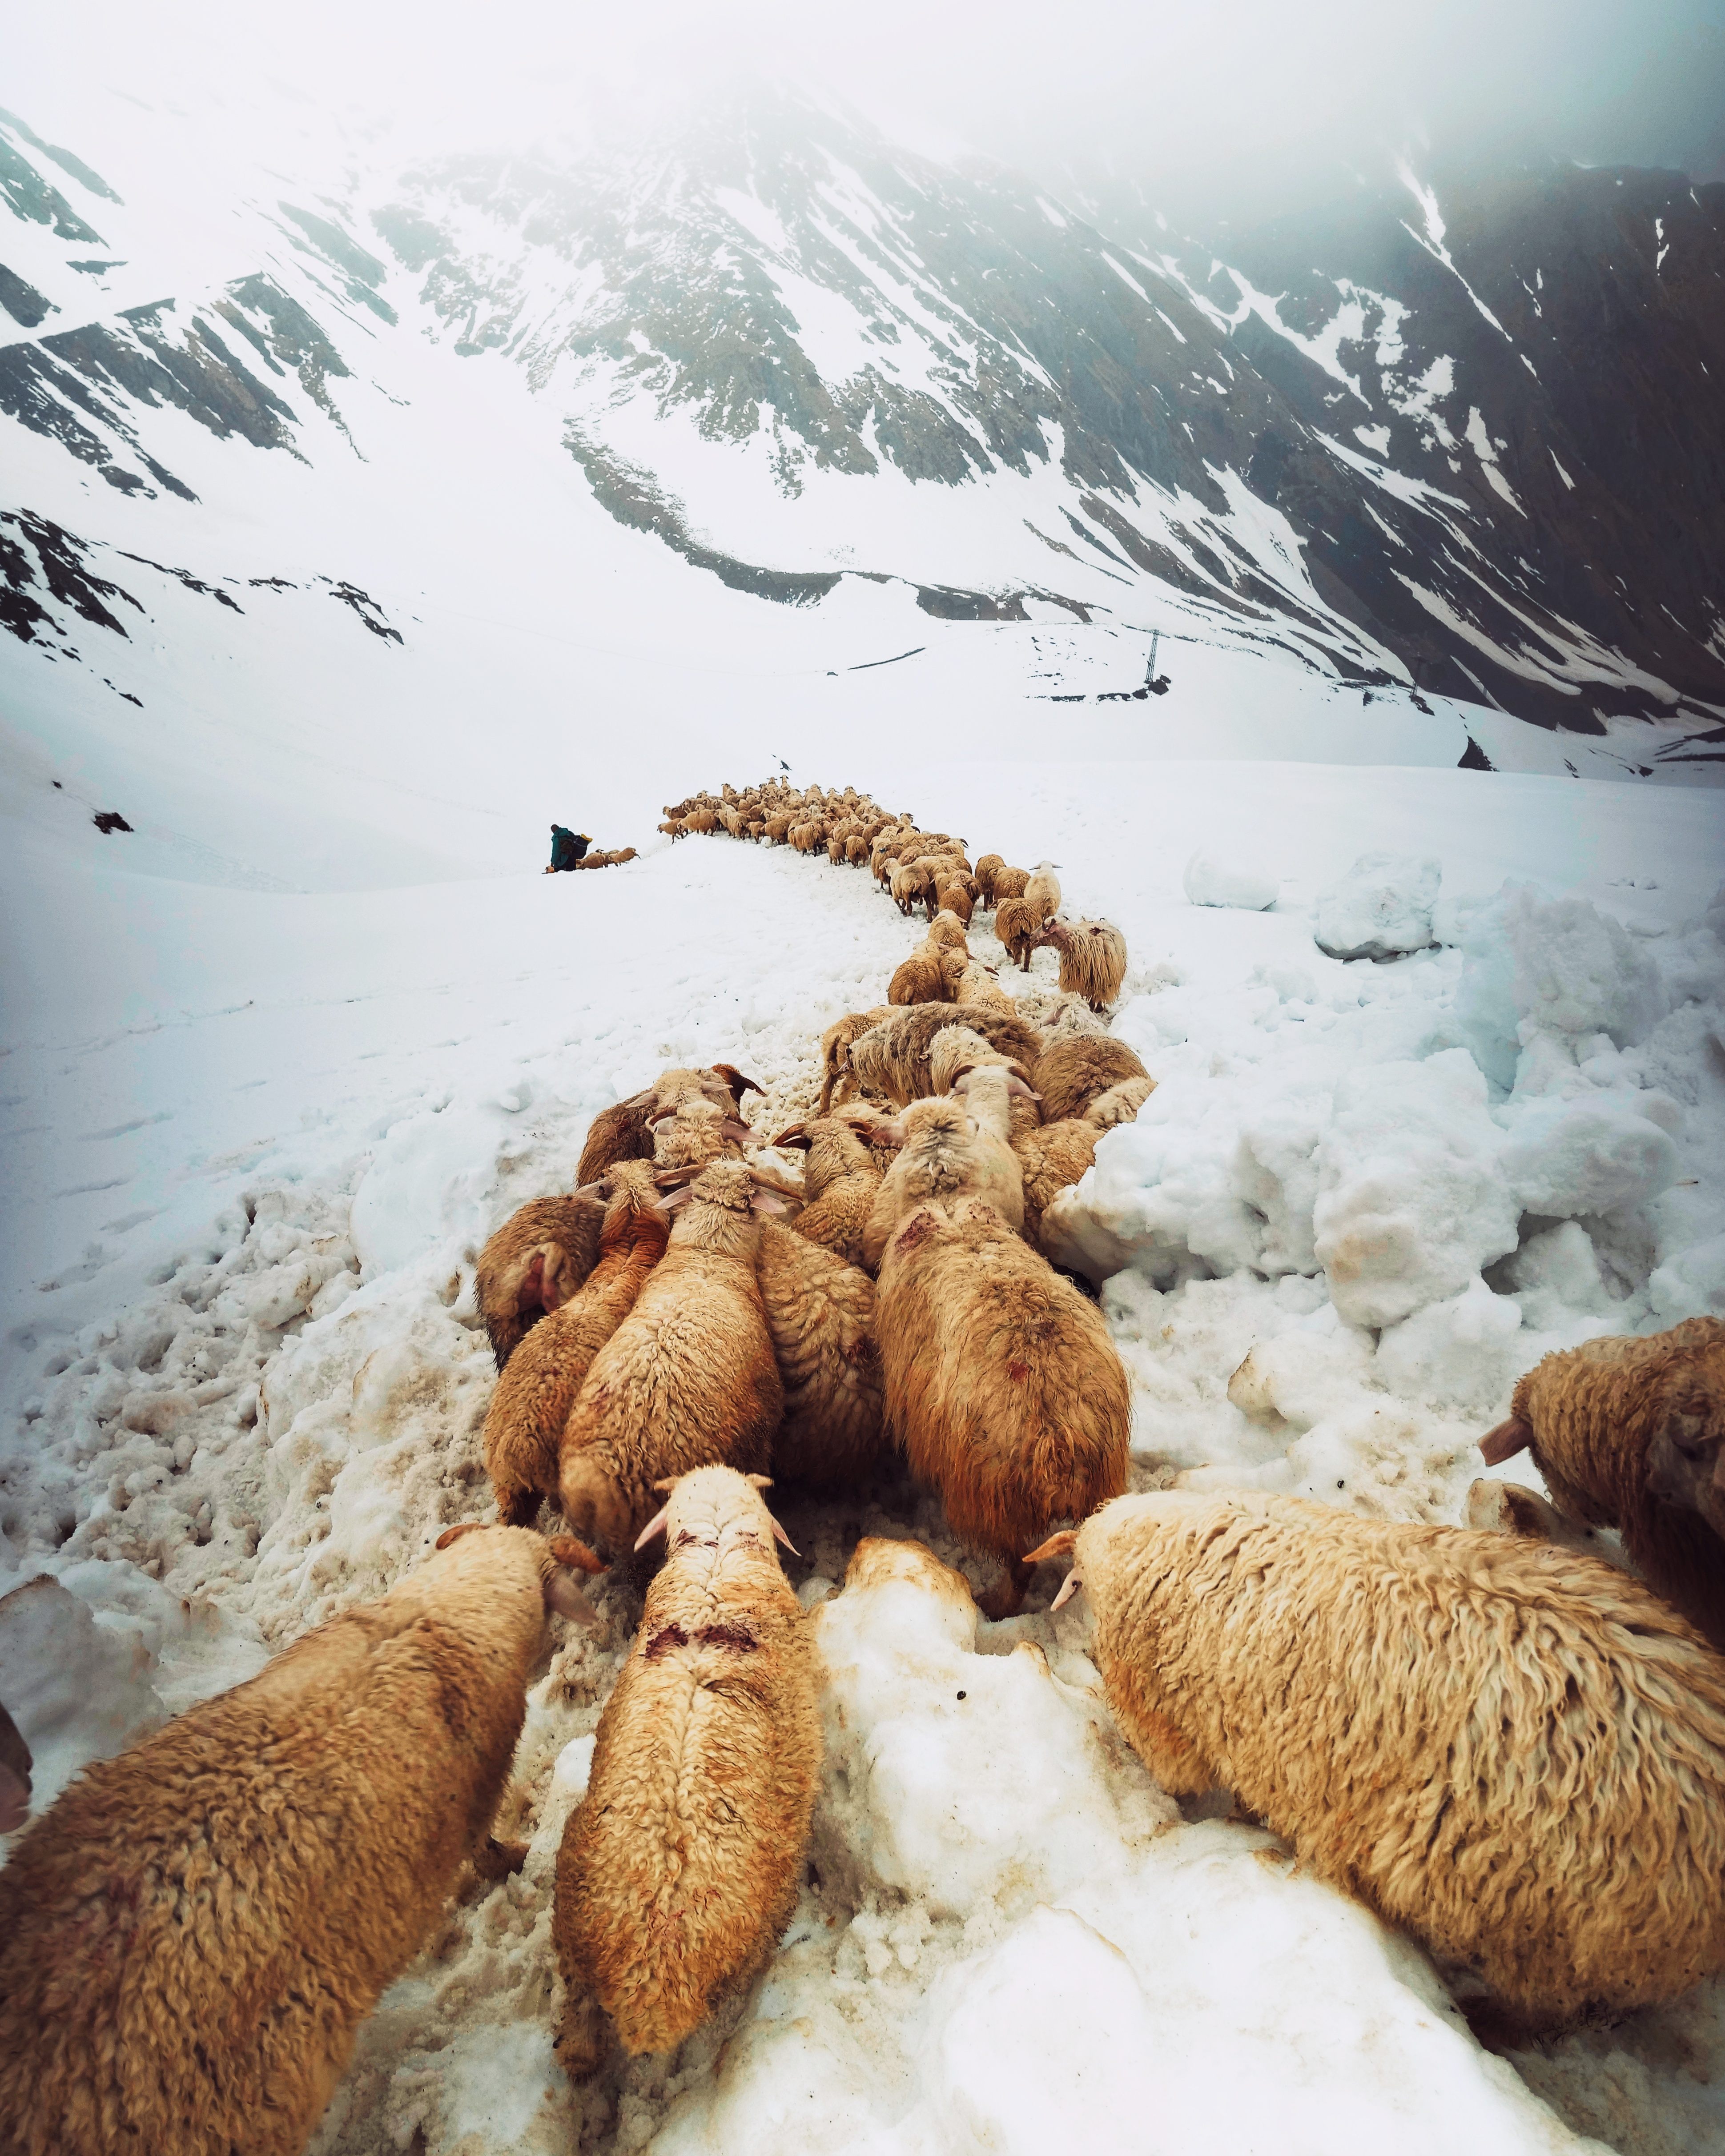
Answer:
[(979, 989), (954, 899), (1074, 1072), (624, 1132), (1507, 1509), (906, 884), (920, 979), (1092, 959), (525, 1421), (1051, 1159), (1018, 926), (835, 1043), (840, 1177), (1605, 1421), (192, 1933), (1001, 1383), (892, 1059), (1042, 890), (1514, 1752), (820, 1313), (1009, 883), (1119, 1104), (987, 867), (533, 1264), (946, 933), (689, 1378), (957, 1049), (944, 1154), (680, 1868)]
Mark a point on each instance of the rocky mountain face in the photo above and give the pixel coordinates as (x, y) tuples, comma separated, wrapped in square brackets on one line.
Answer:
[(1459, 431)]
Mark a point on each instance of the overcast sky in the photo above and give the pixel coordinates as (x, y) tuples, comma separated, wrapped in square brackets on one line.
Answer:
[(1237, 93)]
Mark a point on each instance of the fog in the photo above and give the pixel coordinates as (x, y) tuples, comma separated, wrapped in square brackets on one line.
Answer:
[(1245, 102)]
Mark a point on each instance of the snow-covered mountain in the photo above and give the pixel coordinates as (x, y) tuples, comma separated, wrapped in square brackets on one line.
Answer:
[(1447, 441)]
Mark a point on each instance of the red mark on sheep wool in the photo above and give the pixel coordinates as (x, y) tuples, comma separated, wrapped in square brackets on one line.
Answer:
[(917, 1233), (1018, 1371), (733, 1636), (664, 1639)]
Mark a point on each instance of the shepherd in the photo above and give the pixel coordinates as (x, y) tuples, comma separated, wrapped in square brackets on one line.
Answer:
[(568, 849)]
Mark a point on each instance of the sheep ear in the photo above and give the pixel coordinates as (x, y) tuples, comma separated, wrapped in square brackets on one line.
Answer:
[(1015, 1084), (796, 1134), (655, 1526), (454, 1534), (758, 1481), (666, 1484), (733, 1126), (1060, 1545), (673, 1199), (1068, 1587), (1503, 1443), (780, 1536), (737, 1082), (642, 1100), (768, 1201)]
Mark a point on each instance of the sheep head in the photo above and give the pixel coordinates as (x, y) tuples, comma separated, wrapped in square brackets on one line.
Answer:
[(713, 1504), (1686, 1460)]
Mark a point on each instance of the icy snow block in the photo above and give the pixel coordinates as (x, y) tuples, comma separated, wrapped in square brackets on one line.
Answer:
[(1531, 963), (1692, 1285), (1381, 908), (1465, 1354), (1587, 1155), (1210, 881), (1412, 1200), (77, 1690)]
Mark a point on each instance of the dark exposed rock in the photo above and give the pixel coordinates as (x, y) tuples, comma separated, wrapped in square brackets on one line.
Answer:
[(109, 820), (37, 555), (65, 159), (23, 301)]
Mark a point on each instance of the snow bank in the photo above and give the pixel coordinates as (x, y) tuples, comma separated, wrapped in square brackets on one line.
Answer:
[(1381, 907), (1210, 880)]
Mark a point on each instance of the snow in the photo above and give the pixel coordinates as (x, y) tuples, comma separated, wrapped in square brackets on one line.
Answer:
[(278, 1061)]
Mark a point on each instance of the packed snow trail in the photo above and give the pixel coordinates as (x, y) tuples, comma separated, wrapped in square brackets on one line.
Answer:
[(285, 1123)]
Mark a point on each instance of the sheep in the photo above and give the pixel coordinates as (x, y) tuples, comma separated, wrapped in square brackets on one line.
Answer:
[(1513, 1753), (820, 1312), (906, 884), (1000, 1099), (808, 837), (1051, 1159), (892, 1059), (702, 820), (1019, 927), (534, 1263), (835, 1053), (987, 867), (979, 987), (627, 1131), (534, 1396), (777, 827), (1042, 890), (1605, 1421), (943, 1153), (920, 979), (1009, 883), (191, 1933), (954, 899), (1074, 1073), (689, 1378), (856, 850), (680, 1869), (839, 1179), (1506, 1508), (1119, 1104), (15, 1765), (1092, 959), (958, 1048), (1001, 1383)]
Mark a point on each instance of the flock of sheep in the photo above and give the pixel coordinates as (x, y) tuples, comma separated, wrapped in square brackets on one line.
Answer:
[(1503, 1743)]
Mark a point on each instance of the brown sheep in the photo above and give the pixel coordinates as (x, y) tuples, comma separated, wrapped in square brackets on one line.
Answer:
[(680, 1867), (1513, 1752), (979, 989), (1009, 883), (835, 1053), (701, 820), (908, 884), (1119, 1104), (1092, 959), (957, 1049), (892, 1059), (1052, 1159), (820, 1312), (1601, 1419), (1042, 890), (987, 867), (920, 979), (954, 899), (192, 1933), (689, 1378), (1002, 1384), (1506, 1508), (626, 1131), (1019, 927), (842, 1173), (1078, 1070), (525, 1422), (777, 827), (946, 933), (534, 1263)]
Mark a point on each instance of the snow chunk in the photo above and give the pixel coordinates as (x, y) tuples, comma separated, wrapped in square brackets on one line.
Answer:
[(1381, 908), (77, 1690), (1692, 1285), (1531, 963), (1212, 881), (1589, 1155), (1464, 1354), (1412, 1201)]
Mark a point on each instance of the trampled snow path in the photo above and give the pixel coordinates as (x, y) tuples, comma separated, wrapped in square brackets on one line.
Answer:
[(272, 1129)]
